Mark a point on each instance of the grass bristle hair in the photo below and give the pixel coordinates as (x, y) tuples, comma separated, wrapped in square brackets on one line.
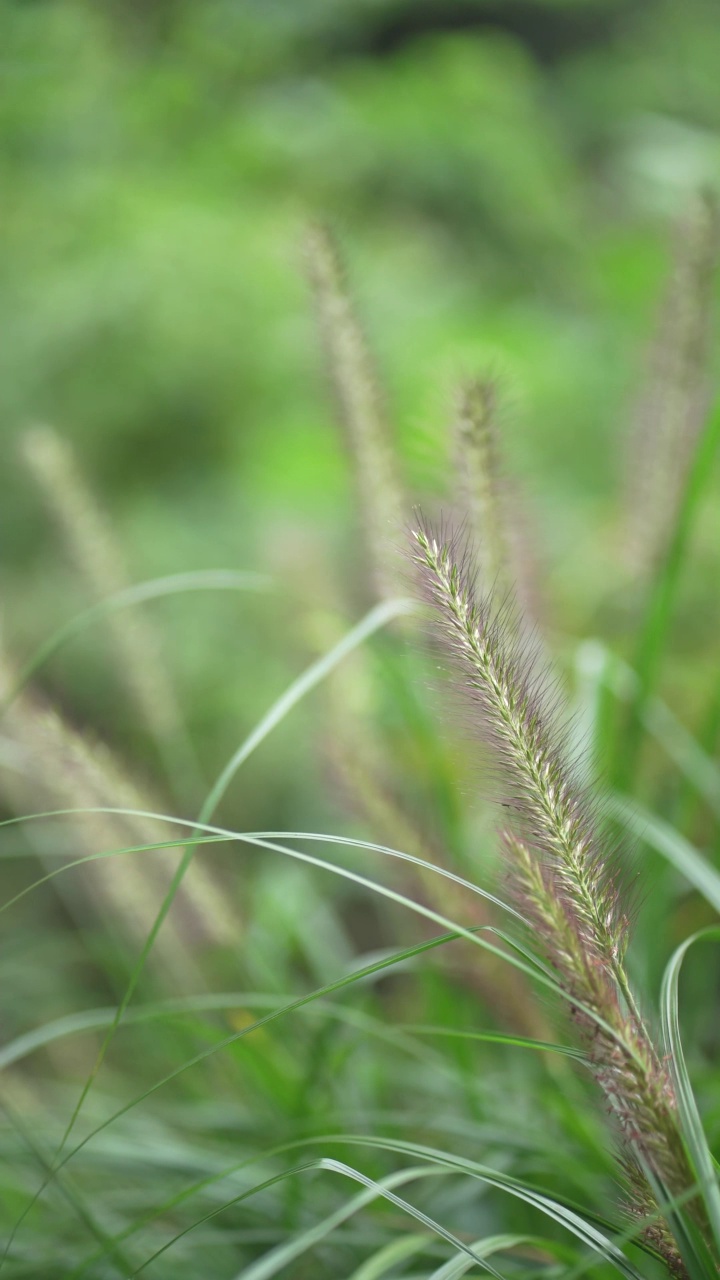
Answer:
[(563, 876)]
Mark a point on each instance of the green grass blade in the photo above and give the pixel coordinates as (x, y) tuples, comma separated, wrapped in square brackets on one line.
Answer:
[(373, 847), (495, 1037), (318, 671), (454, 1164), (400, 899), (321, 837), (535, 968), (678, 851), (692, 1126), (299, 1003), (390, 1255), (94, 857), (310, 678), (139, 593), (110, 1247), (485, 1247), (659, 611), (267, 1267), (692, 760), (569, 1217)]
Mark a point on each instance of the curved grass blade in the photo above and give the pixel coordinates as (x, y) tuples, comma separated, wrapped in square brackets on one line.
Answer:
[(188, 1192), (94, 857), (456, 930), (310, 678), (390, 1255), (180, 1197), (535, 969), (140, 593), (268, 1266), (292, 1006), (560, 1211), (496, 1037), (692, 1125), (321, 837), (458, 1267)]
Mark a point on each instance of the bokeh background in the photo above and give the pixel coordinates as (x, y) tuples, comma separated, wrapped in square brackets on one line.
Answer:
[(504, 180)]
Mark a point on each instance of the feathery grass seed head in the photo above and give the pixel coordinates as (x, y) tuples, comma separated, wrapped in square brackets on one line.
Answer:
[(675, 398), (563, 879), (357, 394), (518, 721)]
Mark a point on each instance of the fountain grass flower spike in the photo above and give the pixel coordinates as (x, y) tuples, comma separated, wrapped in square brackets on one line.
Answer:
[(361, 410), (495, 509), (565, 880)]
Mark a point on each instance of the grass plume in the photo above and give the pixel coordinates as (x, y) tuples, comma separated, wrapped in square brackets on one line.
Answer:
[(674, 401), (491, 505), (48, 762), (563, 878), (360, 407), (94, 549), (478, 472)]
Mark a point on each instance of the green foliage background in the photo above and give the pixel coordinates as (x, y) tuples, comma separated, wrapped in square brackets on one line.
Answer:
[(503, 178)]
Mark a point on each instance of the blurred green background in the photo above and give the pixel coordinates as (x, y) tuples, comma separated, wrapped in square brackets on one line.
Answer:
[(503, 178)]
